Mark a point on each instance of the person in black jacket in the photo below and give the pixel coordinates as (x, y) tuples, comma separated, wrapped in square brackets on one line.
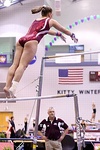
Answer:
[(13, 131), (25, 125), (52, 130)]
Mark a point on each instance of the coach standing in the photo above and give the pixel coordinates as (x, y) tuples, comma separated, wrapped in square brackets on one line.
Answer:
[(53, 131)]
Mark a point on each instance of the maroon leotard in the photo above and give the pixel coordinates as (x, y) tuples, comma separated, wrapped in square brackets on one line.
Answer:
[(36, 31)]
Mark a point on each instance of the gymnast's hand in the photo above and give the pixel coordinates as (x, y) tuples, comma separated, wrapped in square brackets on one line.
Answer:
[(63, 38), (74, 38)]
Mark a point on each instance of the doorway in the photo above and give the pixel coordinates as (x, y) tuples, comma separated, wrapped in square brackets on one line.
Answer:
[(4, 116)]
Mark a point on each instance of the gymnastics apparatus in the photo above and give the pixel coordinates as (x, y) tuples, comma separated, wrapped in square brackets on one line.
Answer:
[(80, 138)]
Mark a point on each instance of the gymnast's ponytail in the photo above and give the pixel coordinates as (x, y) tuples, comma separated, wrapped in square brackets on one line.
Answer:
[(43, 9), (36, 9)]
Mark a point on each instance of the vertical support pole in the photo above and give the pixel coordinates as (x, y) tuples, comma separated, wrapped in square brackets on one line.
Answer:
[(78, 129), (39, 100)]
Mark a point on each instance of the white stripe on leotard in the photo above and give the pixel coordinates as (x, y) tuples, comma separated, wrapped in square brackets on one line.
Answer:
[(42, 32), (45, 24)]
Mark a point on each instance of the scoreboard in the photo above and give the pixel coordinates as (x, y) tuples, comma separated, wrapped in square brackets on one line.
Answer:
[(94, 76)]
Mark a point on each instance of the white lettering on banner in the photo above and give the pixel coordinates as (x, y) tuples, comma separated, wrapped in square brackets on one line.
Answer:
[(90, 135), (95, 91), (71, 59)]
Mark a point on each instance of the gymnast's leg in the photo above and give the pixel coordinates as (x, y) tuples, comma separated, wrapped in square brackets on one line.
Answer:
[(12, 69), (29, 52)]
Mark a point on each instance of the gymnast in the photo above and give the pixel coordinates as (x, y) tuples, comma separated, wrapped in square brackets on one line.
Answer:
[(93, 113), (26, 47)]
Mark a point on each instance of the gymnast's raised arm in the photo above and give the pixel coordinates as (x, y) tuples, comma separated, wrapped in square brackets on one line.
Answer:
[(59, 27)]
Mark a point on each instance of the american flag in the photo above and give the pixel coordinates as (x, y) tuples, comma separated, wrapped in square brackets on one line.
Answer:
[(71, 76)]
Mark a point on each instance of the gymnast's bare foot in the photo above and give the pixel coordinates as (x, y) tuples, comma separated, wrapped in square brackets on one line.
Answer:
[(9, 93), (6, 92)]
